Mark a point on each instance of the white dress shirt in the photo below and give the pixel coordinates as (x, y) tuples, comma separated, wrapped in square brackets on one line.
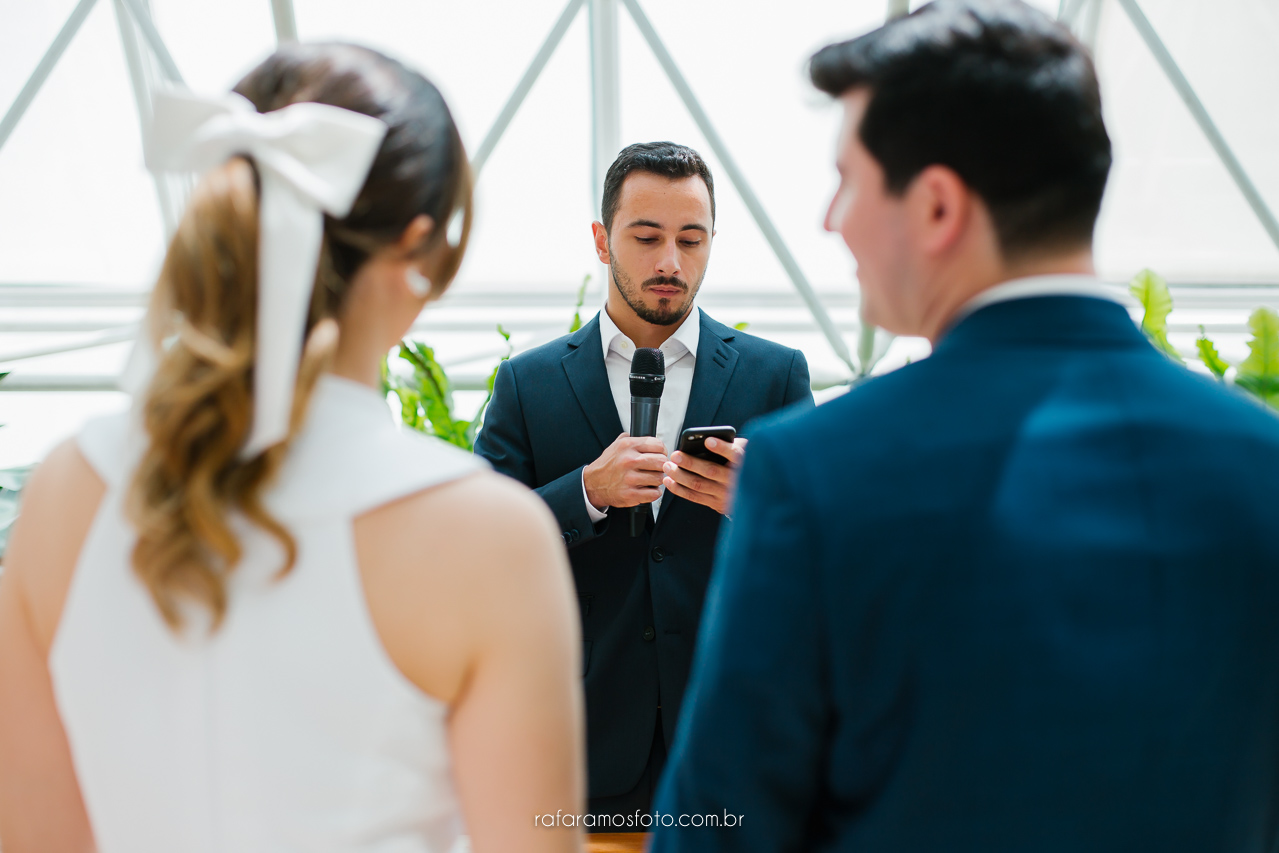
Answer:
[(1035, 285), (680, 354)]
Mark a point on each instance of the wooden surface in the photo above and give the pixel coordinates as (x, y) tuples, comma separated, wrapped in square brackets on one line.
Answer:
[(617, 842)]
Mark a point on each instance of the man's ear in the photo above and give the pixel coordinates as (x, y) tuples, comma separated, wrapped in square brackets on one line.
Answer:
[(940, 208), (601, 242)]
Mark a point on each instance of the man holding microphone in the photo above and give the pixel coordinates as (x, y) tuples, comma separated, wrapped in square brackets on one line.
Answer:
[(558, 422)]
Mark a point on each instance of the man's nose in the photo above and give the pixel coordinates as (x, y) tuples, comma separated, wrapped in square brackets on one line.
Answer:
[(668, 262)]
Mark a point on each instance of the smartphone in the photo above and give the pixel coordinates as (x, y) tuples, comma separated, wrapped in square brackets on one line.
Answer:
[(693, 442)]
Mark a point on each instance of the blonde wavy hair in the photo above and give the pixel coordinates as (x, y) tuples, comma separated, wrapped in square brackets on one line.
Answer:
[(198, 407)]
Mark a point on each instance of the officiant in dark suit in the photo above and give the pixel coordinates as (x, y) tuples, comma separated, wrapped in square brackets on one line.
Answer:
[(556, 423)]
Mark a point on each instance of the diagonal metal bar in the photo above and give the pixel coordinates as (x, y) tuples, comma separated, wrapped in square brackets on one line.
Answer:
[(117, 335), (1090, 23), (147, 27), (1203, 119), (141, 77), (46, 64), (1068, 11), (286, 24), (522, 88), (771, 234)]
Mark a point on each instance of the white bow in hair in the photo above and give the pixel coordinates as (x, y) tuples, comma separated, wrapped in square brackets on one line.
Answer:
[(312, 159)]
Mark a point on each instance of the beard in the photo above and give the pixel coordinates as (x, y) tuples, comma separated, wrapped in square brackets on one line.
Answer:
[(666, 313)]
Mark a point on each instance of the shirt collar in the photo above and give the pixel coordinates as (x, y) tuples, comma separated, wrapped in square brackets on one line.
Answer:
[(1036, 285), (683, 342)]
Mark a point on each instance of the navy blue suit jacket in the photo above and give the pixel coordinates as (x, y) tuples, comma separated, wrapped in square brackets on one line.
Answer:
[(641, 598), (1020, 596)]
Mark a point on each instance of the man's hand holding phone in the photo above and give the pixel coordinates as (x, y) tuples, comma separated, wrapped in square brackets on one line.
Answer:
[(699, 479)]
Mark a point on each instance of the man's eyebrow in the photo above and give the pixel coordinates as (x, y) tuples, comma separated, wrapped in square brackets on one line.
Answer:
[(648, 223)]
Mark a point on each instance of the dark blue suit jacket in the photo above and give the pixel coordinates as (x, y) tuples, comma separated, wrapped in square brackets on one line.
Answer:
[(552, 414), (1020, 596)]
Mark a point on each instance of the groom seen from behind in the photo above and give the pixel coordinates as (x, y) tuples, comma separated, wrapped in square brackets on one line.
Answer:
[(1024, 598)]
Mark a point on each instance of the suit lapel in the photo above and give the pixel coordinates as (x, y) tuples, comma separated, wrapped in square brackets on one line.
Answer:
[(716, 361), (584, 366), (714, 367)]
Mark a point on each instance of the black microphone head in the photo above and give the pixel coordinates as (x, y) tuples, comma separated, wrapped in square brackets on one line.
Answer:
[(648, 372), (649, 361)]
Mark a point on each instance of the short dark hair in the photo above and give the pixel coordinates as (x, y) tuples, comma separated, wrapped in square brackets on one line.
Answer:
[(660, 158), (996, 91)]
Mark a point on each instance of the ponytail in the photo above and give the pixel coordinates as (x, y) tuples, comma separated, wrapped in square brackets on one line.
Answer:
[(198, 408)]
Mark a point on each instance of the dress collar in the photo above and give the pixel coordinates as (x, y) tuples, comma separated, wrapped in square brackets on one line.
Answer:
[(338, 394)]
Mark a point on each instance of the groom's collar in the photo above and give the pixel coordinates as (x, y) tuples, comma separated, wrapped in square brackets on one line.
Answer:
[(1031, 286)]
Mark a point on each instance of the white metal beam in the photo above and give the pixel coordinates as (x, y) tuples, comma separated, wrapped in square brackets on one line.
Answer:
[(1068, 11), (46, 64), (738, 179), (516, 100), (1203, 119), (143, 73), (1090, 24), (141, 15), (606, 96), (286, 24), (98, 339)]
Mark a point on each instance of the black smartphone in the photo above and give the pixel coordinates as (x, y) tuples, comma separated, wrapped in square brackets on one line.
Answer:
[(693, 442)]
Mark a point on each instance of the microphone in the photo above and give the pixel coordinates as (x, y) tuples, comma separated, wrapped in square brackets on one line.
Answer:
[(648, 375)]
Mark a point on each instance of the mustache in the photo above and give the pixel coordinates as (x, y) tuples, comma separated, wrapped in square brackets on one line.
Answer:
[(665, 281)]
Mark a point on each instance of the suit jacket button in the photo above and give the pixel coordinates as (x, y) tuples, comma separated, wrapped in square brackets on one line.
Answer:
[(564, 536), (658, 555), (573, 533), (649, 634)]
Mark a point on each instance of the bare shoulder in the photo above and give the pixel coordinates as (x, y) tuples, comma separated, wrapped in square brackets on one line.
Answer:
[(59, 503), (484, 490), (452, 569), (482, 514)]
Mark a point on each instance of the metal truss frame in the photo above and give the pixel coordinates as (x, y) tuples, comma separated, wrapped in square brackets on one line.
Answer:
[(156, 64)]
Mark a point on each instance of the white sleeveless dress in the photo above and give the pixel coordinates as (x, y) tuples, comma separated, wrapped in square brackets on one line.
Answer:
[(289, 729)]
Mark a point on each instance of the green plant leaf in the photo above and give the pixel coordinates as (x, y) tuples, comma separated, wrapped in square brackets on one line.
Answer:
[(474, 426), (426, 401), (11, 482), (577, 309), (1258, 374), (1210, 357), (1149, 288), (742, 326)]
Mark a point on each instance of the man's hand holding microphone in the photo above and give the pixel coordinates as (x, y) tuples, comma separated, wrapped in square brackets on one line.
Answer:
[(628, 473), (632, 469)]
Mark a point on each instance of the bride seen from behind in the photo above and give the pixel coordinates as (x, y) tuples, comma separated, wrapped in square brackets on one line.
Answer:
[(355, 640)]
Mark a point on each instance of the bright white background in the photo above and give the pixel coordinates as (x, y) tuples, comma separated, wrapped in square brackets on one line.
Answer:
[(77, 207)]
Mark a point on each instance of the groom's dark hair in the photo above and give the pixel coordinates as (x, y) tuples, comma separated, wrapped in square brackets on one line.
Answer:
[(995, 90)]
